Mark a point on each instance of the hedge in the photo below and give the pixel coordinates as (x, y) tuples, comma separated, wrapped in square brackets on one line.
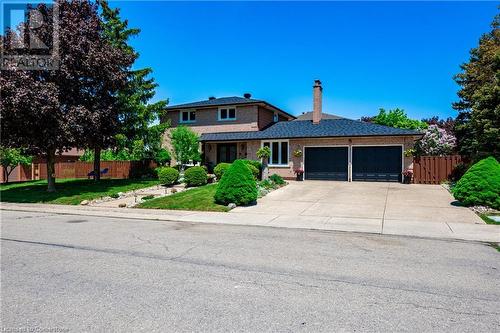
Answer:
[(237, 185), (480, 185)]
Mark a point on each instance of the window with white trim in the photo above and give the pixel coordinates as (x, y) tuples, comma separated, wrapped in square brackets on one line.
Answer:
[(188, 117), (279, 152), (227, 113)]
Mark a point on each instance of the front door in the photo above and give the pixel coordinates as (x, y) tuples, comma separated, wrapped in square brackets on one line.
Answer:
[(226, 152)]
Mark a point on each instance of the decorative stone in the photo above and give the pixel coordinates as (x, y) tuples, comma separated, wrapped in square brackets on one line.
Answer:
[(120, 194), (84, 203), (174, 190), (122, 205), (231, 206)]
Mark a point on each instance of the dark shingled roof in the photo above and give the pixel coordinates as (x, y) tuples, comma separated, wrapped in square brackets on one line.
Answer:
[(234, 100), (306, 129), (216, 102), (308, 116)]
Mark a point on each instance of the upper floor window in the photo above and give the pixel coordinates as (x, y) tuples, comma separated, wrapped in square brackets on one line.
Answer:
[(188, 116), (227, 113), (279, 152), (276, 118)]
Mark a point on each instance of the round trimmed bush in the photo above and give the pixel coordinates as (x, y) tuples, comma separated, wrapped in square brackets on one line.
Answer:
[(167, 175), (480, 185), (195, 176), (220, 169), (237, 185)]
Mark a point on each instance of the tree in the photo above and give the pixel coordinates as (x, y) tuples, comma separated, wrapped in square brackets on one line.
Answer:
[(10, 158), (435, 142), (74, 106), (447, 124), (478, 122), (263, 154), (162, 157), (396, 118), (139, 135), (186, 145)]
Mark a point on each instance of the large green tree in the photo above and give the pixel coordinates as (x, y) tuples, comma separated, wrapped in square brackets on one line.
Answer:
[(140, 131), (478, 123), (396, 118)]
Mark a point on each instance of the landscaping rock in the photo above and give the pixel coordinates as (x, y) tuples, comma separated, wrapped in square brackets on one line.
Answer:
[(231, 206), (122, 205), (120, 194), (84, 203)]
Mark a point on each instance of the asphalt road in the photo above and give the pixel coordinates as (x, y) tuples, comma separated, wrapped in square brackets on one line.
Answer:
[(102, 274)]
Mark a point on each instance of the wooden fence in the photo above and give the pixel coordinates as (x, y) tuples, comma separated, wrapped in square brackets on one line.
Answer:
[(434, 169), (78, 169)]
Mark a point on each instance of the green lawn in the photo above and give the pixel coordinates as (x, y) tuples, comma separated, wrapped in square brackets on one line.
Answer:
[(488, 220), (200, 198), (69, 191)]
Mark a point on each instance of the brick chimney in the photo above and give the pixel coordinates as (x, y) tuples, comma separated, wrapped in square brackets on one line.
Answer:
[(317, 101)]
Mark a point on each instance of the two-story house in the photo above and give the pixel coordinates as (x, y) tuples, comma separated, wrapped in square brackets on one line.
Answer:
[(323, 145)]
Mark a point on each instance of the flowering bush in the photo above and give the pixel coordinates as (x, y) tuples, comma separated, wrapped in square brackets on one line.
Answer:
[(435, 142), (298, 171), (408, 173)]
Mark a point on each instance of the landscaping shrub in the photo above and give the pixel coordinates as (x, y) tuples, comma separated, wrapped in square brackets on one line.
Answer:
[(237, 185), (255, 163), (277, 179), (254, 170), (480, 185), (167, 175), (195, 176), (267, 184), (457, 172), (220, 169)]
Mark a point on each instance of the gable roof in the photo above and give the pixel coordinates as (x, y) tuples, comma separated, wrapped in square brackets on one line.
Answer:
[(308, 116), (233, 100), (306, 129)]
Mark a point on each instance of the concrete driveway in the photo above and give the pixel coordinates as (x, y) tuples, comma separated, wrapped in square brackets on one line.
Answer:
[(366, 204)]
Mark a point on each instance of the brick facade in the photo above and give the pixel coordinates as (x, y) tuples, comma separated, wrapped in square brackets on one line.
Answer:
[(298, 162)]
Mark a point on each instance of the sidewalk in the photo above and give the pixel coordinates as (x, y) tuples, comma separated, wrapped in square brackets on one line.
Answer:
[(460, 231)]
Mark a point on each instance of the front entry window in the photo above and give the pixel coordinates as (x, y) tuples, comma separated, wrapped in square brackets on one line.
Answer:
[(279, 152), (226, 152)]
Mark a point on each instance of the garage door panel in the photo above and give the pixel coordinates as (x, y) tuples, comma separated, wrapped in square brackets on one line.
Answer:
[(377, 163), (326, 163)]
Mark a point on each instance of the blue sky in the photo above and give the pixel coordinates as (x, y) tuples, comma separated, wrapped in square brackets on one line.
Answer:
[(367, 54)]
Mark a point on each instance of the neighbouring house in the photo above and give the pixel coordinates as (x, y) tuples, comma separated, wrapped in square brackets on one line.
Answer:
[(325, 146)]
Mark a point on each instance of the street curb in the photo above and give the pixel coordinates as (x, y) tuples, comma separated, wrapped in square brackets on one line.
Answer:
[(183, 217)]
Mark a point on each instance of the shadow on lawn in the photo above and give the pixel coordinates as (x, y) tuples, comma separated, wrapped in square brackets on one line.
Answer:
[(69, 191)]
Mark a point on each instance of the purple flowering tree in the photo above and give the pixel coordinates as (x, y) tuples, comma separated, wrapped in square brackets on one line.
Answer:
[(435, 142)]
